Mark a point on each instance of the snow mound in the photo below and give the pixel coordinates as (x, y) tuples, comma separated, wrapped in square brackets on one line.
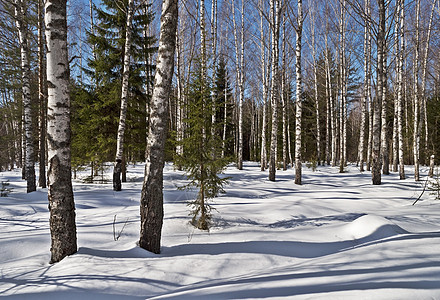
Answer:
[(370, 228)]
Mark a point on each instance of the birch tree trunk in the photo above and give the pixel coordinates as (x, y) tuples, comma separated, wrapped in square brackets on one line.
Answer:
[(384, 128), (22, 27), (401, 43), (214, 61), (60, 192), (298, 115), (330, 103), (225, 119), (265, 89), (151, 207), (370, 103), (275, 25), (416, 140), (117, 186), (424, 72), (315, 77), (329, 120), (180, 92), (41, 97), (342, 94), (283, 96), (239, 56), (376, 163), (365, 94), (395, 139)]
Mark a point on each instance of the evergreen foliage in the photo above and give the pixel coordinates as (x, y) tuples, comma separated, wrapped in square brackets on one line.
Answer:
[(202, 160), (222, 86), (97, 104)]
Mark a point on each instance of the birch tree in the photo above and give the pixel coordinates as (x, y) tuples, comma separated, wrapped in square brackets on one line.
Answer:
[(424, 73), (342, 91), (41, 97), (23, 32), (315, 81), (60, 192), (367, 53), (275, 9), (180, 93), (384, 126), (416, 132), (298, 118), (117, 186), (284, 93), (264, 81), (401, 48), (239, 57), (151, 207), (214, 60), (376, 163)]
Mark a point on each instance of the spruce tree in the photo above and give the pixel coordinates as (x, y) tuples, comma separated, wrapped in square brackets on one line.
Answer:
[(224, 108), (202, 160), (98, 103)]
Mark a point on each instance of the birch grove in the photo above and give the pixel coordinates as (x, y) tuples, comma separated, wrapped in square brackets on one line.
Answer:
[(287, 85)]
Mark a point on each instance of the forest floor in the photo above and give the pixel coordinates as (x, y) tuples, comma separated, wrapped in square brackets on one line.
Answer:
[(335, 237)]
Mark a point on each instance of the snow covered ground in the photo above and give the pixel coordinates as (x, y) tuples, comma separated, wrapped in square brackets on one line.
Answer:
[(335, 237)]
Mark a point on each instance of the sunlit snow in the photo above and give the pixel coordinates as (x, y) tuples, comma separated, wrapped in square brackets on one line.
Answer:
[(335, 237)]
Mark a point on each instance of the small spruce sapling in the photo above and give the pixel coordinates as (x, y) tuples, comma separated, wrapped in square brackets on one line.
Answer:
[(202, 160)]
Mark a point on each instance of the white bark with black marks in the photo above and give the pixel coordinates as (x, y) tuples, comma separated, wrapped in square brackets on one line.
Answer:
[(41, 97), (275, 26), (376, 147), (29, 153), (298, 115), (117, 185), (60, 192), (264, 81), (366, 86), (416, 132), (239, 57), (151, 207), (401, 43)]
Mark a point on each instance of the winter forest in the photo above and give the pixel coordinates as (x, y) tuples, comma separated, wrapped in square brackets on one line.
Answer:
[(284, 132)]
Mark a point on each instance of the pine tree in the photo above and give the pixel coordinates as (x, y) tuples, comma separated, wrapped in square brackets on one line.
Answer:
[(202, 160)]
